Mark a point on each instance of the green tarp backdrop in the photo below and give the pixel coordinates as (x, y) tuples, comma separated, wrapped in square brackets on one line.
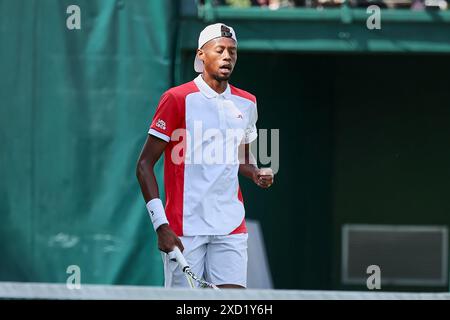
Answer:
[(75, 108)]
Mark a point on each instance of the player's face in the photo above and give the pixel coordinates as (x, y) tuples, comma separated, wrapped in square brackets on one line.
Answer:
[(219, 57)]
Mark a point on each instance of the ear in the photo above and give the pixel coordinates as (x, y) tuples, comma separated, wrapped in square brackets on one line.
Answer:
[(200, 54)]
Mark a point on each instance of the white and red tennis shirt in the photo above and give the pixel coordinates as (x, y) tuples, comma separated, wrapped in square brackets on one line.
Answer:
[(204, 130)]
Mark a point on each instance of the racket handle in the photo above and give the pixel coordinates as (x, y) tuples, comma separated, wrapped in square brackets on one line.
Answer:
[(176, 255)]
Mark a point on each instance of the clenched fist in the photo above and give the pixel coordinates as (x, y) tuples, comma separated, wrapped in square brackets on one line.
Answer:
[(263, 177)]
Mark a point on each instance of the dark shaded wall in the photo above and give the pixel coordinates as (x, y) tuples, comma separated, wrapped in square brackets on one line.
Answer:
[(392, 143)]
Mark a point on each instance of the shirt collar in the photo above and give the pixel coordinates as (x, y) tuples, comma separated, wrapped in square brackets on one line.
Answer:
[(207, 91)]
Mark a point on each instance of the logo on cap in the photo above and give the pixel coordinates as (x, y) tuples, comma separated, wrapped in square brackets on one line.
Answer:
[(226, 32)]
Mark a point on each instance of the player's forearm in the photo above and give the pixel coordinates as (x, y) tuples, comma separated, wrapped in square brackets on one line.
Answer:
[(247, 167), (248, 170), (147, 181), (151, 152)]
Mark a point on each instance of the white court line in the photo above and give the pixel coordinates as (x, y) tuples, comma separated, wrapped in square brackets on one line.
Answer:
[(16, 290)]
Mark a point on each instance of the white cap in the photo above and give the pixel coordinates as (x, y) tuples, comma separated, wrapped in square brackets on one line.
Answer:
[(211, 32)]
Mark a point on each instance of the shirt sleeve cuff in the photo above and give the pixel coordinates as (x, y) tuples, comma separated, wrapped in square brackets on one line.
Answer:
[(158, 134), (250, 137)]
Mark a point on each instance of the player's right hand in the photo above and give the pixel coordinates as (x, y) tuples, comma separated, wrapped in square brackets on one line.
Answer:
[(167, 239)]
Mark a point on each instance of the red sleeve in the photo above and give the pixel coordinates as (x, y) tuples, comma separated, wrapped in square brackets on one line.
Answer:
[(166, 118)]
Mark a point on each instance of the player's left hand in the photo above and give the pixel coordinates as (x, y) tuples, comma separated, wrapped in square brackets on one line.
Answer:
[(264, 177)]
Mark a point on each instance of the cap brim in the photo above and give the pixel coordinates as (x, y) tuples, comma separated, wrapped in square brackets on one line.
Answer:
[(198, 65)]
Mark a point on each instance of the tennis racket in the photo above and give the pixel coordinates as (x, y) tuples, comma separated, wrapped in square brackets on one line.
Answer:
[(191, 277)]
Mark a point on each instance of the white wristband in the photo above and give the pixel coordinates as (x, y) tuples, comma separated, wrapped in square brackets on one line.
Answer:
[(156, 211)]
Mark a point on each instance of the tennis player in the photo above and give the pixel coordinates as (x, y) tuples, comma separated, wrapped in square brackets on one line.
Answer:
[(204, 127)]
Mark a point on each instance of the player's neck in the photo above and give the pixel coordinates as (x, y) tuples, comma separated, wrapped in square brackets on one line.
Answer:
[(216, 85)]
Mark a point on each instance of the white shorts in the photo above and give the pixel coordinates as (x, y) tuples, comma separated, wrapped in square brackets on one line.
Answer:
[(217, 259)]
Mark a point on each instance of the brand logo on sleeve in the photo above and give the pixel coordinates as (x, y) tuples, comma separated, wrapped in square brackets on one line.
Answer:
[(161, 124)]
